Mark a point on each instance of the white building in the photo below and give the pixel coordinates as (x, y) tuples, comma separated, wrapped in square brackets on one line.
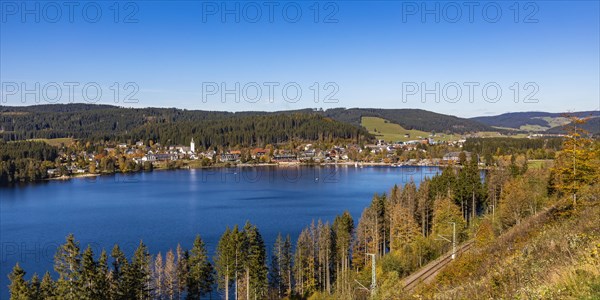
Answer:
[(192, 146)]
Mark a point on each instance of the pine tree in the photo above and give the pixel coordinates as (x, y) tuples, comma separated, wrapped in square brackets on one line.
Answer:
[(365, 238), (444, 184), (326, 256), (409, 196), (139, 272), (287, 266), (89, 276), (102, 276), (34, 288), (47, 288), (225, 260), (372, 233), (67, 263), (120, 288), (18, 285), (201, 274), (304, 264), (255, 263), (494, 182), (343, 226), (275, 276), (424, 207), (446, 212), (241, 272), (395, 194), (469, 191), (182, 269)]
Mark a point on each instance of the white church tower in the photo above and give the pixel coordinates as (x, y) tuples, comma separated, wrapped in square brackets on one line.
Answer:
[(193, 146)]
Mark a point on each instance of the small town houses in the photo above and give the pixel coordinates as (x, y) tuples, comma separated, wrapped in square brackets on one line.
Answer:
[(141, 152)]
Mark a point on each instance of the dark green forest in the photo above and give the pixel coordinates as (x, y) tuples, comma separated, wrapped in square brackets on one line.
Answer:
[(171, 126), (251, 131), (105, 121), (538, 148), (25, 160)]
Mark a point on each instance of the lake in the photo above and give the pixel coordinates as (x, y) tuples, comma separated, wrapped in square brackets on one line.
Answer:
[(164, 208)]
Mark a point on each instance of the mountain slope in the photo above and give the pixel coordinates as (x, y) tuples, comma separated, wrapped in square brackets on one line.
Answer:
[(552, 255), (170, 125), (592, 126), (410, 119), (533, 121)]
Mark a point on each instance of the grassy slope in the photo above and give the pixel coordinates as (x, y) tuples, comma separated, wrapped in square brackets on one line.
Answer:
[(391, 132), (552, 255), (56, 142)]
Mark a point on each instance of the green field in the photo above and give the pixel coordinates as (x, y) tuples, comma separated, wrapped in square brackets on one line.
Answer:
[(56, 142), (391, 132), (530, 128)]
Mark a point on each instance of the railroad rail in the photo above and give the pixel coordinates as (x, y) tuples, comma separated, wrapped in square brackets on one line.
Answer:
[(427, 273)]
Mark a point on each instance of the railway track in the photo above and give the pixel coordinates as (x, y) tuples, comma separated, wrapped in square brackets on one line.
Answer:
[(427, 273)]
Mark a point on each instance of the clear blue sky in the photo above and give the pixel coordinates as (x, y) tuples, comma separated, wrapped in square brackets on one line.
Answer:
[(170, 51)]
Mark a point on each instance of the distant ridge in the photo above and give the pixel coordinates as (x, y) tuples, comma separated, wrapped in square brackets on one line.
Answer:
[(411, 119), (85, 120), (129, 118), (540, 121)]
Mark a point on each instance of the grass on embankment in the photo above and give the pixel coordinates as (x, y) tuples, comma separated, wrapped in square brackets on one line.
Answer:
[(392, 132), (552, 255)]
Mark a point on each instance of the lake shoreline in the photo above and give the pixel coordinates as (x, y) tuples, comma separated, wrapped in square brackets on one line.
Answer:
[(242, 165)]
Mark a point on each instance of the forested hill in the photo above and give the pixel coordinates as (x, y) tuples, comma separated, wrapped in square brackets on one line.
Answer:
[(170, 125), (89, 120), (538, 121), (410, 119), (592, 125)]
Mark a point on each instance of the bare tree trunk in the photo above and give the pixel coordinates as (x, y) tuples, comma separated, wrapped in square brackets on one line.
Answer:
[(474, 208), (247, 283), (376, 250), (328, 275), (227, 284), (290, 281)]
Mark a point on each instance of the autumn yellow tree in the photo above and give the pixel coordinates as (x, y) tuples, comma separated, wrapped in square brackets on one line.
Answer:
[(578, 163), (403, 230)]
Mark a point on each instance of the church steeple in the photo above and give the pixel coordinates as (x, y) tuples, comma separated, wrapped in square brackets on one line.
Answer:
[(192, 146)]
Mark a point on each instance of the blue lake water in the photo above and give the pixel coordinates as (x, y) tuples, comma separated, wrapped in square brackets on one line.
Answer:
[(164, 208)]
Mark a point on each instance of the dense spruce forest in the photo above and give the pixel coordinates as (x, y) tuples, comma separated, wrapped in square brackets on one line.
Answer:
[(171, 126), (105, 121), (539, 148), (251, 131)]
